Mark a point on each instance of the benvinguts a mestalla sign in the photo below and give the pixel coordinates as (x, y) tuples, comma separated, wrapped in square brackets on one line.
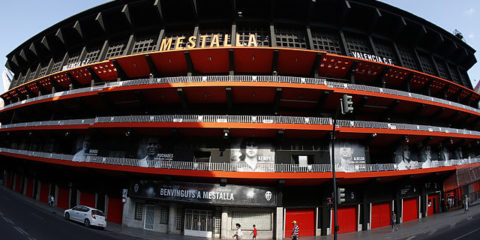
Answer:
[(234, 195)]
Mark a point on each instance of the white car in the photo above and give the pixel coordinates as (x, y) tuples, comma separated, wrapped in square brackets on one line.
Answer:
[(86, 215)]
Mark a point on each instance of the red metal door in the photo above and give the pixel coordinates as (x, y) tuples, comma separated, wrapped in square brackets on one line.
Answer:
[(63, 196), (305, 219), (29, 190), (347, 219), (44, 190), (410, 209), (18, 183), (381, 214), (8, 176), (115, 210), (87, 199)]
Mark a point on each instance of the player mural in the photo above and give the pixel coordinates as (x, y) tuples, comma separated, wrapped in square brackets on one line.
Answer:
[(83, 149), (349, 156), (151, 153), (249, 155)]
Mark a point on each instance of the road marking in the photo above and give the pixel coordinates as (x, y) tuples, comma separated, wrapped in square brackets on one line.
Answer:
[(20, 230), (466, 234), (8, 220), (410, 238), (23, 232)]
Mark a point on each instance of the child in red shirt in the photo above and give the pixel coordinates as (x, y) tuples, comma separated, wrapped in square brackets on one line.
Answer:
[(254, 232)]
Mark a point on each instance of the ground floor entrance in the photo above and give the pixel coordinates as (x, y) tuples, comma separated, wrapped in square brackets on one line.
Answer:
[(432, 204), (410, 209), (305, 219), (381, 213), (198, 223), (149, 217), (347, 219)]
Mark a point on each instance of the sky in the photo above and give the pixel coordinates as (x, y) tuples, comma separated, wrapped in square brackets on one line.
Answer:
[(22, 19), (463, 15)]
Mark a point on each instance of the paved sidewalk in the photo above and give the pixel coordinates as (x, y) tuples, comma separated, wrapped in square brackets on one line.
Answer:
[(430, 224)]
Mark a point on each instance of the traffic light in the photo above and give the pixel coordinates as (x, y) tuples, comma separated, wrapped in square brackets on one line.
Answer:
[(347, 104), (341, 195)]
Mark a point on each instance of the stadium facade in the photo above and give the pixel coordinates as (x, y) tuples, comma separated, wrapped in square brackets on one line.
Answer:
[(186, 117)]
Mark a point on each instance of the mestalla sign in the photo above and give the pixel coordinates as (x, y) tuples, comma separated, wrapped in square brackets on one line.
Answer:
[(233, 195), (205, 41)]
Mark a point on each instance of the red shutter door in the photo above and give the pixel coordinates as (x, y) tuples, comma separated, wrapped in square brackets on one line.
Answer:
[(347, 219), (115, 210), (305, 219), (410, 209), (87, 199), (8, 176), (44, 188), (18, 183), (381, 214), (63, 196), (29, 190)]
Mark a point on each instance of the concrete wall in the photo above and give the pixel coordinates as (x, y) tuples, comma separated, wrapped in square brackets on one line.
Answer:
[(129, 220)]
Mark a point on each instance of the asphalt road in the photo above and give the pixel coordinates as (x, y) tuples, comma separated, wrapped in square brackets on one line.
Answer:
[(20, 220)]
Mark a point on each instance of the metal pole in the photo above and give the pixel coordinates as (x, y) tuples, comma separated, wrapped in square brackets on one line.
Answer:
[(335, 226)]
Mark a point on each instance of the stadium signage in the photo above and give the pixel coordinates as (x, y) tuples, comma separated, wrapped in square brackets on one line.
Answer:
[(233, 195), (205, 41), (372, 57)]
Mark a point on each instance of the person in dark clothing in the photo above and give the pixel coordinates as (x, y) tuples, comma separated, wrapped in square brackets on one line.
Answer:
[(394, 221)]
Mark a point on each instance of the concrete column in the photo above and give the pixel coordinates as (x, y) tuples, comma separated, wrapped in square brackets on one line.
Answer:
[(106, 206), (172, 215), (14, 181), (24, 185), (370, 217), (70, 197), (318, 231), (128, 211), (224, 229), (279, 223), (401, 210), (329, 228), (359, 225), (39, 186), (419, 207)]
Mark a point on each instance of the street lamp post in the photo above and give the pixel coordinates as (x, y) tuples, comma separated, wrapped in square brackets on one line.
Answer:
[(346, 106)]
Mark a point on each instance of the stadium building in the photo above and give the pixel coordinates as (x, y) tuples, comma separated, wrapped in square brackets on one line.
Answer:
[(188, 116)]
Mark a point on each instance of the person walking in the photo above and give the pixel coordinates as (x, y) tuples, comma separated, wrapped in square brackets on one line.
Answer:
[(238, 233), (51, 200), (394, 221), (295, 230), (254, 232), (467, 199)]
